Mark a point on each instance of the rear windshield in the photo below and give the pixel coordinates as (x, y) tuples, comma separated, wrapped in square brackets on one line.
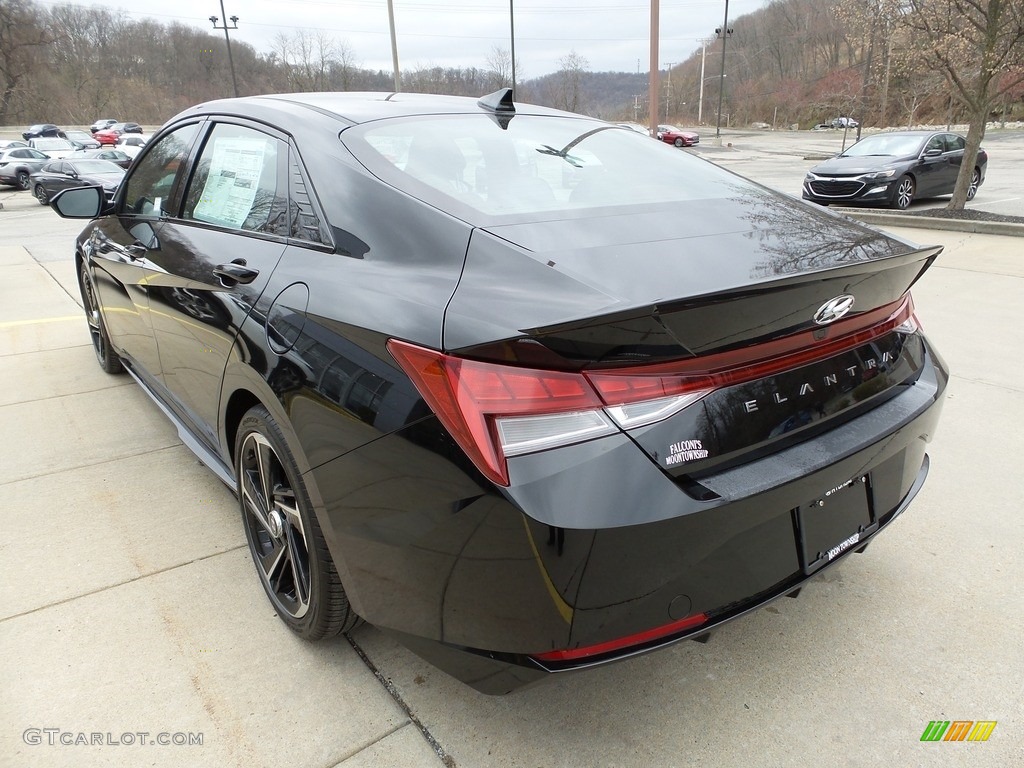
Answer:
[(534, 165)]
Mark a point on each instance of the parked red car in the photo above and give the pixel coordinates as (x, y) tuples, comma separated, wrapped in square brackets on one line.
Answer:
[(111, 134), (677, 136)]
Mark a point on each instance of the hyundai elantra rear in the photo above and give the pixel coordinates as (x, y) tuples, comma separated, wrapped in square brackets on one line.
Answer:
[(526, 390)]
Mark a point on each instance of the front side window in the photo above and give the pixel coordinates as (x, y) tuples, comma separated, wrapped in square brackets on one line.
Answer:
[(237, 181), (152, 180)]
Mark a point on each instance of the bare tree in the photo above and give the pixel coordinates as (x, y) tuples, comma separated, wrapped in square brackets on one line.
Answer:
[(499, 68), (22, 38), (975, 44), (570, 75)]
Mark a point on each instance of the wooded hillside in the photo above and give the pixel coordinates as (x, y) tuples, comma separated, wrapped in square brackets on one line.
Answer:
[(793, 61)]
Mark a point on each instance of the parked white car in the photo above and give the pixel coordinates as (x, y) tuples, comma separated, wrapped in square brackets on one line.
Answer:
[(131, 143), (55, 149)]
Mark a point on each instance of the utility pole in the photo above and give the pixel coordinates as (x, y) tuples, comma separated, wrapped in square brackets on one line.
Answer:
[(724, 32), (652, 78), (225, 27)]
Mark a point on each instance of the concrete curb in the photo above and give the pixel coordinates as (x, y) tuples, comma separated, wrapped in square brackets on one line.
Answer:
[(929, 222)]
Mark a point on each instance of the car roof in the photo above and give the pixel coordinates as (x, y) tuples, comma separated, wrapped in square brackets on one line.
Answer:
[(352, 108)]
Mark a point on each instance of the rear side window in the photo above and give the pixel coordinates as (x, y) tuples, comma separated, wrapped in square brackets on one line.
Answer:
[(238, 181), (954, 143), (152, 180)]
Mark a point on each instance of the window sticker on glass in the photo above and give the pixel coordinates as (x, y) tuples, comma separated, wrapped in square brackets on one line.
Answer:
[(235, 168)]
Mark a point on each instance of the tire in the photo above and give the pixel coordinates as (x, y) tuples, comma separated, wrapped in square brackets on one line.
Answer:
[(972, 190), (41, 196), (105, 355), (23, 180), (904, 194), (678, 142), (285, 540)]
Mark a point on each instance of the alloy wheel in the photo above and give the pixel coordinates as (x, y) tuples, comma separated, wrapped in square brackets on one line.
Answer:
[(972, 190), (276, 531), (41, 195), (904, 193), (23, 180)]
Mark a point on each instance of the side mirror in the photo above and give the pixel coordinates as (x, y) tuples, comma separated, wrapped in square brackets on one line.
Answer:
[(78, 202), (932, 152)]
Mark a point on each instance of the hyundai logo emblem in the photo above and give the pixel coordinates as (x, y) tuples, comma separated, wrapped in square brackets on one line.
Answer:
[(833, 309)]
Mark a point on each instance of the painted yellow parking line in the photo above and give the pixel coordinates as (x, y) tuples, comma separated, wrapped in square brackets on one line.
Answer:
[(40, 321)]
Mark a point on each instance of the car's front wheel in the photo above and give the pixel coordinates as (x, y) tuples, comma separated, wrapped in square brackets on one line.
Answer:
[(23, 180), (285, 540), (41, 196), (679, 142), (972, 190), (904, 194), (105, 355)]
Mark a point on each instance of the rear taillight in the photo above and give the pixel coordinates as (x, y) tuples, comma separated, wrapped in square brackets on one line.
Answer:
[(494, 411)]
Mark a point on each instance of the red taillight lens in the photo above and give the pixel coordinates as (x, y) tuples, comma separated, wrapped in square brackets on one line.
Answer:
[(470, 398), (584, 652)]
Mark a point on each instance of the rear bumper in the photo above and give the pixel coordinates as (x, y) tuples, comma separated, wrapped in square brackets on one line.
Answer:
[(594, 542)]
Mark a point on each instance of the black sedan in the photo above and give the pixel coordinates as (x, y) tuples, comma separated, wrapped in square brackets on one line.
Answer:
[(63, 174), (43, 130), (893, 169), (488, 376)]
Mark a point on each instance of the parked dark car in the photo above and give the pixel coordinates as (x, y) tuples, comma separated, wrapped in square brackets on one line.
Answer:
[(64, 174), (893, 169), (43, 130), (490, 377), (82, 140), (110, 135), (116, 156), (19, 163), (103, 122), (677, 136)]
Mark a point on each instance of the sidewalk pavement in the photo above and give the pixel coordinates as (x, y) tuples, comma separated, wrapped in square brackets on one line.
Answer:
[(128, 601)]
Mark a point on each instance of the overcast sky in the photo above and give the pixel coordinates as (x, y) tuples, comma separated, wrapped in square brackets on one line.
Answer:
[(612, 35)]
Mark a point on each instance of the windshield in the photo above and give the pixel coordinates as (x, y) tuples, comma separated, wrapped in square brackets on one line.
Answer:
[(52, 144), (535, 164), (885, 144), (97, 166)]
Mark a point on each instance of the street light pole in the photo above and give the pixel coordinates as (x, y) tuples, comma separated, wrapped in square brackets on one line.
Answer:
[(721, 85), (700, 97), (394, 46), (225, 27), (512, 39), (668, 87)]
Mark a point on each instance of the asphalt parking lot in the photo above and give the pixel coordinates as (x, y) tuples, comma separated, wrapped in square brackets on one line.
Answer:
[(129, 604)]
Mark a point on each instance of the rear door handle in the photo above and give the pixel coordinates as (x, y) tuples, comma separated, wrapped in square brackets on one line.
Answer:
[(235, 272)]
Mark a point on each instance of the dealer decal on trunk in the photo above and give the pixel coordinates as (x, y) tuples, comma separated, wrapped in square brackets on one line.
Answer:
[(684, 451)]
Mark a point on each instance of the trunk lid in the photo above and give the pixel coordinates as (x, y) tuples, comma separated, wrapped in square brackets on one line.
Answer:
[(727, 288)]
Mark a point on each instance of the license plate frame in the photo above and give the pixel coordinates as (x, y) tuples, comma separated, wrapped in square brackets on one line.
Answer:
[(834, 523)]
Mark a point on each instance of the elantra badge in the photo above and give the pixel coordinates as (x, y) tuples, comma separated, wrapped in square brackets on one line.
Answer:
[(833, 309)]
